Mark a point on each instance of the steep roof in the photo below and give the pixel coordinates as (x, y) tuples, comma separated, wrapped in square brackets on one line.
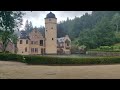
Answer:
[(50, 15), (23, 35), (61, 39)]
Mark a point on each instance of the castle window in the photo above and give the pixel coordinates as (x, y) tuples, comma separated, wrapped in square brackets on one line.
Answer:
[(42, 51), (67, 44), (26, 41), (46, 30), (52, 38), (32, 49), (41, 42), (20, 41), (26, 49), (49, 19), (36, 50), (31, 42), (51, 27)]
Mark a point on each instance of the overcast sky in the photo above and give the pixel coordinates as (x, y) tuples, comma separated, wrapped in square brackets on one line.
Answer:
[(37, 17)]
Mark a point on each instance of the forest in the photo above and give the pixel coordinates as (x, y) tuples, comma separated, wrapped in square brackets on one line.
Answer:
[(100, 28)]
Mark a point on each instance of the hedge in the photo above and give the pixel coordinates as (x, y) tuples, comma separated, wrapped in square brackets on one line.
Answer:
[(11, 57), (37, 60), (43, 60)]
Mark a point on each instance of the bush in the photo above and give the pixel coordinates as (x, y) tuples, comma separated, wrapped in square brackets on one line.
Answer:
[(47, 60), (11, 57), (74, 49), (83, 49), (106, 48), (36, 60)]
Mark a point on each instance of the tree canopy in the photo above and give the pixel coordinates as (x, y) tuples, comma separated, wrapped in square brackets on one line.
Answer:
[(9, 22), (93, 30)]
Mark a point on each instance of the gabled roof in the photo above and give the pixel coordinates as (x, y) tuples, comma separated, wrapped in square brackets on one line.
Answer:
[(23, 35), (61, 39)]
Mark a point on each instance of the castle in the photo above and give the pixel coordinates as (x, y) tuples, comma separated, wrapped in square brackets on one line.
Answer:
[(35, 43)]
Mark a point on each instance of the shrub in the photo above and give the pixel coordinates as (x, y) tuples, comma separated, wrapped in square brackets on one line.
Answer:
[(47, 60), (83, 49), (106, 48), (11, 57), (74, 49), (81, 61)]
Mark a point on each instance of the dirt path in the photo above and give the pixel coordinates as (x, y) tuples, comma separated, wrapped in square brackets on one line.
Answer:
[(15, 70)]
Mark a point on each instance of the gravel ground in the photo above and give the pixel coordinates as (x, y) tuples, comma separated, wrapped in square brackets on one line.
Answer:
[(16, 70)]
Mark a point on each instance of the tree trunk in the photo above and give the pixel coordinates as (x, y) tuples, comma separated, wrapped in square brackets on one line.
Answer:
[(4, 44), (15, 49), (4, 47)]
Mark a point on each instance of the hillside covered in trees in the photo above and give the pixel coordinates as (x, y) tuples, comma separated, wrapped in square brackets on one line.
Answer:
[(101, 28)]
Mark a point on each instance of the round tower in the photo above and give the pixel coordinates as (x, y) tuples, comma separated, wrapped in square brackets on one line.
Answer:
[(51, 34)]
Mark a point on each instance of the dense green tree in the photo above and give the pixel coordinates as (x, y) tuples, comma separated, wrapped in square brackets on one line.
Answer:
[(116, 21), (102, 35), (9, 22), (93, 29), (28, 26), (42, 30), (31, 26), (14, 38)]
